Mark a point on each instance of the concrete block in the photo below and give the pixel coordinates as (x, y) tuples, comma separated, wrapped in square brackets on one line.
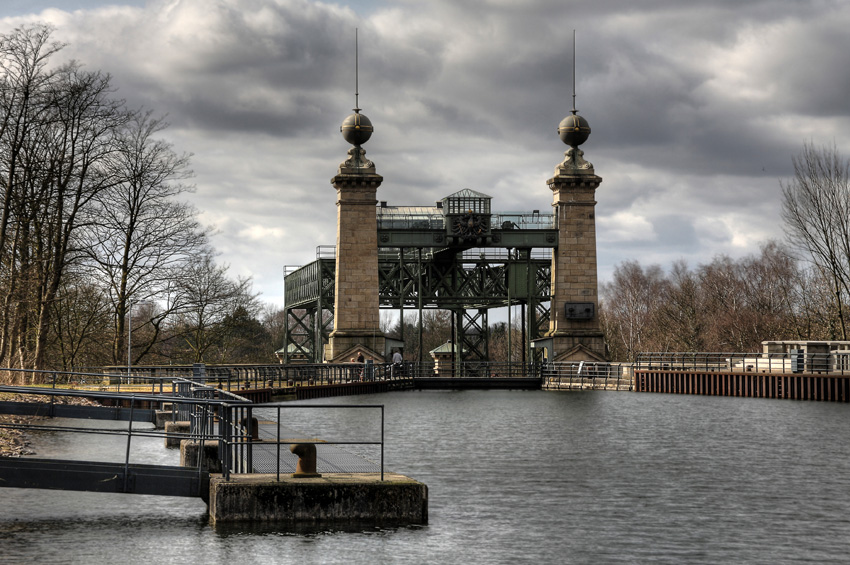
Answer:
[(173, 428), (161, 417), (332, 498)]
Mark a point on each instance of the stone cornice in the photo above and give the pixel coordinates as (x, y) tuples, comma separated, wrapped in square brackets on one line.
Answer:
[(357, 183), (590, 182)]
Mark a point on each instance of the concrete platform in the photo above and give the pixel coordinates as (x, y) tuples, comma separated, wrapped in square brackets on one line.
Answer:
[(331, 498)]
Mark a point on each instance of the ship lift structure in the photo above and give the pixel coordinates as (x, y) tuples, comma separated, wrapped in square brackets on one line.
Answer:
[(457, 256)]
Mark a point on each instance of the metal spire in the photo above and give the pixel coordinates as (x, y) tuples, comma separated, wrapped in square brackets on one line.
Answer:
[(574, 73), (357, 75)]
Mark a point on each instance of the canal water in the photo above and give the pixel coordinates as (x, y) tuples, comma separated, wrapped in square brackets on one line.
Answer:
[(513, 477)]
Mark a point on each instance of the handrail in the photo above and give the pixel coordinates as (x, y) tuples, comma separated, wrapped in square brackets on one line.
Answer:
[(796, 361), (229, 422), (238, 438)]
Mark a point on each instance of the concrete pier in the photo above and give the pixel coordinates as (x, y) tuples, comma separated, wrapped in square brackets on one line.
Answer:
[(331, 498), (174, 432)]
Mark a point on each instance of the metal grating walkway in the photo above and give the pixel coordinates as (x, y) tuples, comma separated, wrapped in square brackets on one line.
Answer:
[(330, 458)]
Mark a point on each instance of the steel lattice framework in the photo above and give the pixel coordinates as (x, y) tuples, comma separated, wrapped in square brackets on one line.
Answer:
[(456, 256)]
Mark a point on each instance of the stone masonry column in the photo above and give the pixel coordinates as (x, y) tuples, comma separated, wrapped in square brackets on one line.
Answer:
[(574, 326), (356, 313)]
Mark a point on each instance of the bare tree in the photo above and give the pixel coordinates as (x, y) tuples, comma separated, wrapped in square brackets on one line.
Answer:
[(506, 342), (85, 119), (80, 326), (25, 107), (57, 129), (273, 319), (209, 297), (140, 234), (631, 307), (816, 210), (749, 300)]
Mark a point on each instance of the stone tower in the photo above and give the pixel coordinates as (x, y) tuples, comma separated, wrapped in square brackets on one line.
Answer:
[(356, 313), (574, 326)]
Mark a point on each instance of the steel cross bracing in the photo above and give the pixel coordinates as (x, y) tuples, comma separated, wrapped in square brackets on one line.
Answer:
[(456, 256), (309, 295), (462, 281), (474, 339)]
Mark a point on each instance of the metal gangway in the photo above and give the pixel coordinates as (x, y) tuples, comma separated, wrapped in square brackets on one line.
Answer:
[(244, 437)]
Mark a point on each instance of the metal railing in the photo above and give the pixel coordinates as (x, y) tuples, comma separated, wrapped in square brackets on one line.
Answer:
[(141, 379), (524, 221), (476, 254), (250, 446), (215, 416), (238, 431), (202, 431), (234, 378), (584, 375), (394, 220), (471, 369), (835, 362)]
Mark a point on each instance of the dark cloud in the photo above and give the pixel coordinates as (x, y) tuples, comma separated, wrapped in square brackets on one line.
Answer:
[(696, 108)]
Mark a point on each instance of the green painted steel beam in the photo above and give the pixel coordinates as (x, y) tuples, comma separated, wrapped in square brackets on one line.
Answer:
[(509, 239)]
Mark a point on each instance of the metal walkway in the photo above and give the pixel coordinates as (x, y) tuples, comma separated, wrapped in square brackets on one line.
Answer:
[(47, 410), (97, 476), (330, 458)]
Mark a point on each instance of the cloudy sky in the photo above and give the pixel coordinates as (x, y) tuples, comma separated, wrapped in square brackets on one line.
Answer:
[(696, 108)]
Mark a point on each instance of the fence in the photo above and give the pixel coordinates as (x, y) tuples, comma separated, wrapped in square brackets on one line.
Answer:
[(245, 443), (252, 445), (238, 377), (587, 376), (798, 361)]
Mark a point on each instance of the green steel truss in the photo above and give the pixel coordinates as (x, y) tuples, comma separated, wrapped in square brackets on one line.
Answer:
[(466, 282), (309, 295), (456, 256)]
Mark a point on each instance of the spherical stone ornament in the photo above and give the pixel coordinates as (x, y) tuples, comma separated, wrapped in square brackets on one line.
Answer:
[(356, 129), (574, 130)]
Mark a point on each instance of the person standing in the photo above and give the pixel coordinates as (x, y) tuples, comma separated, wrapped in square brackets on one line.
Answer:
[(397, 363), (362, 361)]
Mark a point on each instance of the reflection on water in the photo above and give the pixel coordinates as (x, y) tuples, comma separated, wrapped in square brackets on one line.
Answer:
[(571, 477)]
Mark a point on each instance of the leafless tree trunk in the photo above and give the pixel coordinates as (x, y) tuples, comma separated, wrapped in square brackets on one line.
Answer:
[(631, 308), (816, 210), (140, 235), (80, 324), (84, 123), (209, 297), (25, 103)]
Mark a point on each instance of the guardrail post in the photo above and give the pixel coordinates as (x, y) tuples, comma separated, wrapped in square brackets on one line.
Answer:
[(199, 372), (249, 422), (129, 437), (382, 442)]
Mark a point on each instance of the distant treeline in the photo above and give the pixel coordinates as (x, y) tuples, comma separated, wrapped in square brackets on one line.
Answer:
[(726, 305), (733, 305)]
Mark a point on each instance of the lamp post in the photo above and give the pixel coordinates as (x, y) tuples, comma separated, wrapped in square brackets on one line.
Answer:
[(129, 339)]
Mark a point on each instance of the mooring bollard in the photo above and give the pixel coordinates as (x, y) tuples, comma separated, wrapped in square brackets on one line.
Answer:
[(253, 430), (306, 467)]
